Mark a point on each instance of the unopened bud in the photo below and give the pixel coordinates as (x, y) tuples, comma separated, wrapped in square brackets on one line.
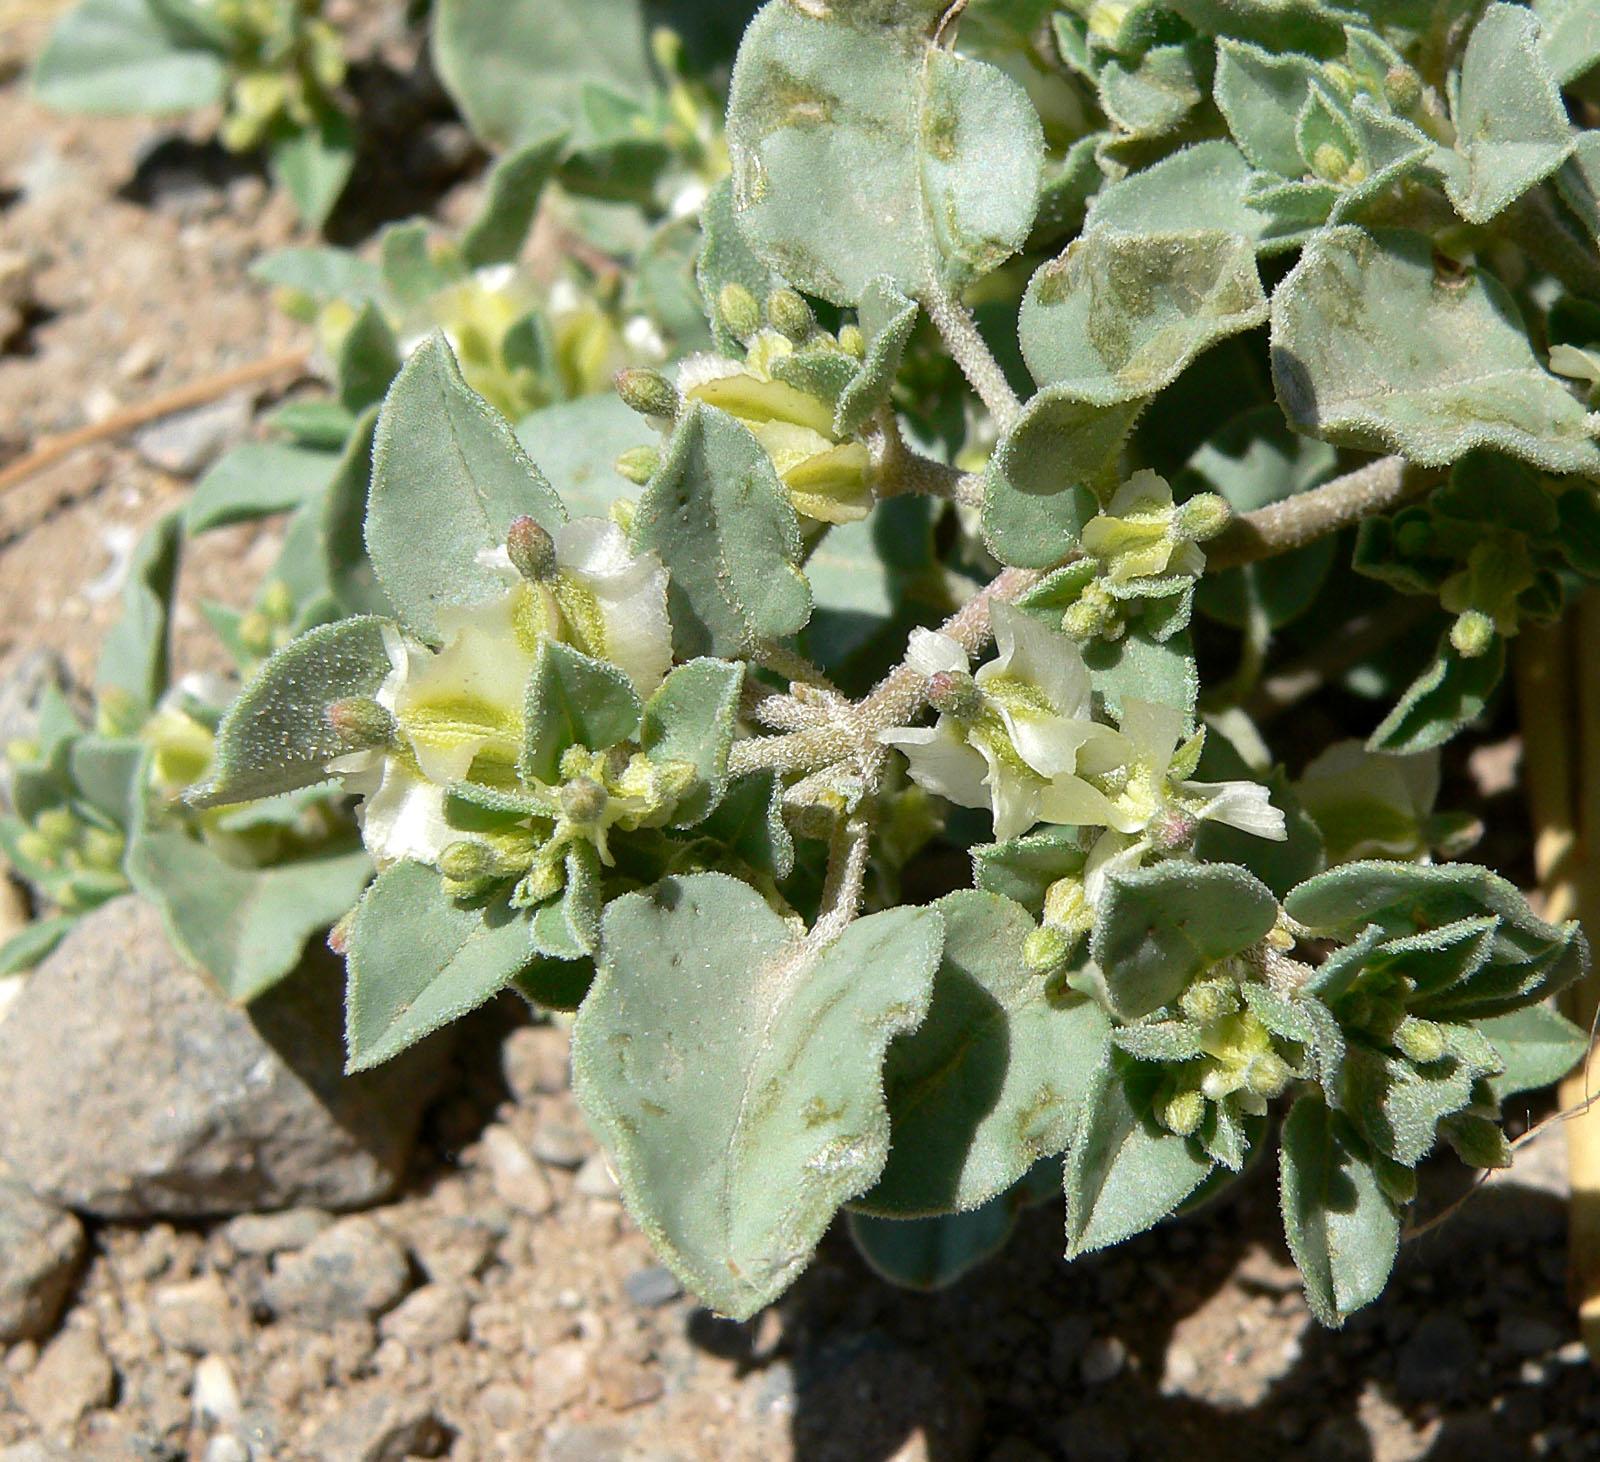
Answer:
[(583, 800), (638, 464), (360, 722), (1095, 615), (1173, 829), (1209, 1000), (277, 602), (954, 693), (739, 310), (531, 548), (36, 849), (1472, 634), (790, 315), (1421, 1040), (339, 935), (1330, 162), (1268, 1075), (1048, 948), (103, 849), (255, 633), (467, 862), (1402, 88), (1183, 1113), (852, 341), (1203, 516), (57, 826), (648, 392)]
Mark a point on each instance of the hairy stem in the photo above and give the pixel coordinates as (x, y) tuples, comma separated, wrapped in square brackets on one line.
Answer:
[(1376, 488), (955, 324), (844, 881)]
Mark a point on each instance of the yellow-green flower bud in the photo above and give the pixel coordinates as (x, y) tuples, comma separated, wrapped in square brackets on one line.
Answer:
[(531, 549), (954, 693), (57, 826), (37, 849), (1048, 948), (467, 861), (1330, 162), (1095, 615), (584, 800), (852, 341), (1209, 1000), (739, 310), (361, 723), (1472, 634), (1203, 516), (103, 849), (1268, 1075), (1420, 1040), (1402, 88), (638, 464), (790, 315), (255, 633), (1183, 1113), (648, 392), (277, 602)]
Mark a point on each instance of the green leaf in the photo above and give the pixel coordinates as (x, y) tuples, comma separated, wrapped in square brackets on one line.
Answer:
[(321, 274), (1511, 127), (726, 258), (106, 773), (691, 718), (1118, 316), (576, 444), (133, 656), (346, 567), (1160, 671), (1199, 188), (1538, 1046), (733, 1161), (419, 960), (514, 67), (574, 700), (1023, 869), (1261, 96), (1160, 927), (247, 926), (116, 56), (256, 480), (369, 360), (723, 525), (497, 234), (1124, 1174), (34, 942), (414, 271), (748, 822), (448, 477), (930, 1254), (1570, 39), (1343, 1231), (1037, 485), (1371, 348), (276, 736), (1152, 96), (887, 319), (313, 163), (1449, 695), (930, 162), (993, 1079)]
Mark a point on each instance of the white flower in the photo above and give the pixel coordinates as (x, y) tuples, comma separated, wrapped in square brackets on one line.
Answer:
[(1016, 750)]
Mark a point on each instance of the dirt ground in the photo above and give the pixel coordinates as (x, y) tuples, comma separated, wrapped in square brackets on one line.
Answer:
[(530, 1320)]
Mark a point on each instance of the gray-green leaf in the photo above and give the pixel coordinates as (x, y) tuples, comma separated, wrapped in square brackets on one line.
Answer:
[(735, 1077)]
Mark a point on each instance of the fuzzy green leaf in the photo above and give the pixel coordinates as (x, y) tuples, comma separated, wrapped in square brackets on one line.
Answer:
[(1124, 1174), (1371, 348), (1197, 188), (887, 319), (419, 960), (931, 162), (993, 1079), (1036, 488), (691, 718), (735, 1079), (256, 480), (497, 234), (1511, 127), (1538, 1046), (1158, 928), (448, 477), (369, 360), (1343, 1231), (1118, 316), (134, 654), (276, 736), (313, 163), (1451, 693), (723, 525), (574, 700), (115, 56), (929, 1254)]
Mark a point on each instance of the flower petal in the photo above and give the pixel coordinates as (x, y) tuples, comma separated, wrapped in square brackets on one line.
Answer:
[(1245, 805), (405, 818), (942, 762), (928, 653)]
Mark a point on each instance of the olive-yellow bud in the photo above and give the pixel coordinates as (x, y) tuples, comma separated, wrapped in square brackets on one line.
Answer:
[(638, 464), (360, 722), (531, 549), (739, 310), (648, 392), (790, 315)]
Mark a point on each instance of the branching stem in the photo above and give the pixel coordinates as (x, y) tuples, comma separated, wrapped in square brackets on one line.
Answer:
[(955, 324)]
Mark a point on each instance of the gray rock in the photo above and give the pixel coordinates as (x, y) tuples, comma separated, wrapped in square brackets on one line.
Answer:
[(381, 1428), (652, 1287), (71, 1378), (1102, 1360), (198, 1316), (187, 444), (131, 1089), (354, 1271), (585, 1442), (275, 1233), (561, 1142), (594, 1178), (40, 1251), (432, 1316)]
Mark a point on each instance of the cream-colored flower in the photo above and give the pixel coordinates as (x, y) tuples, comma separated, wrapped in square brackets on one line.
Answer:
[(827, 479), (1140, 534), (1015, 736)]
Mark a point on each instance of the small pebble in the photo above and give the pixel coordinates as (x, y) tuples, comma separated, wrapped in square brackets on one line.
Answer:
[(652, 1287), (1103, 1360)]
